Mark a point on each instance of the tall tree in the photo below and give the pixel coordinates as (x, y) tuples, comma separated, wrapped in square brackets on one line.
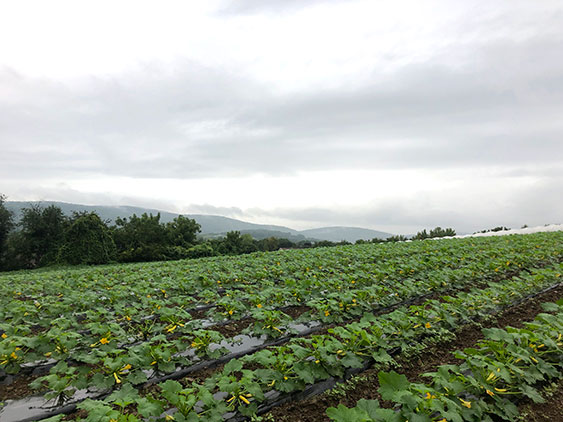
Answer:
[(42, 232), (6, 225), (87, 241), (141, 238), (182, 231)]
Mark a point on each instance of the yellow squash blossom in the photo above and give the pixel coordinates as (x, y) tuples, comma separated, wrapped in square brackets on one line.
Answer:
[(465, 403)]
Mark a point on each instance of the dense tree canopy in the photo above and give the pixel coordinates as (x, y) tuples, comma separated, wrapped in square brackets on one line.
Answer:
[(87, 241), (44, 236), (182, 231), (6, 225), (141, 238), (42, 231)]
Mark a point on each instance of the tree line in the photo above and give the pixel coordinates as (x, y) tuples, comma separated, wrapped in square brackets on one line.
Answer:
[(46, 236)]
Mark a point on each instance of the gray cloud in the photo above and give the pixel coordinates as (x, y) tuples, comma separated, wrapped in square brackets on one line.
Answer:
[(203, 122), (499, 108), (233, 212), (535, 205), (254, 7)]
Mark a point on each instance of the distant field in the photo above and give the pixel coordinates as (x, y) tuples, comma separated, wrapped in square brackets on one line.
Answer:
[(232, 337)]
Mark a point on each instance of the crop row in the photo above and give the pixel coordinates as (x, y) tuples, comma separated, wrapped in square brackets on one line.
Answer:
[(113, 294), (177, 335), (243, 384), (172, 332), (506, 366)]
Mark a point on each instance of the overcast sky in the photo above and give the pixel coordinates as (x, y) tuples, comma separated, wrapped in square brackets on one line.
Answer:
[(392, 115)]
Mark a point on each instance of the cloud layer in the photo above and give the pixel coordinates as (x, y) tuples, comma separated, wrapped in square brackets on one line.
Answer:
[(469, 94)]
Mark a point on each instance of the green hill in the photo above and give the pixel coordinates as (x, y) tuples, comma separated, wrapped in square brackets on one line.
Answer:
[(213, 225)]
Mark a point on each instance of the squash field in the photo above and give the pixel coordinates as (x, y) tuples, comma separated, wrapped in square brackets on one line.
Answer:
[(234, 338)]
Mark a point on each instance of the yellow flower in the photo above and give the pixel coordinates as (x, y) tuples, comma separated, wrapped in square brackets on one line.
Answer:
[(172, 328), (153, 362), (244, 399), (169, 418), (490, 393), (117, 380), (429, 396), (128, 318), (104, 340), (327, 313), (259, 305), (231, 312), (465, 403), (491, 376), (4, 335), (13, 355), (428, 325), (500, 390)]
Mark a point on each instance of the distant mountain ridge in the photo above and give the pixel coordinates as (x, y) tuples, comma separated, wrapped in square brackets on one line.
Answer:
[(212, 225), (338, 233)]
